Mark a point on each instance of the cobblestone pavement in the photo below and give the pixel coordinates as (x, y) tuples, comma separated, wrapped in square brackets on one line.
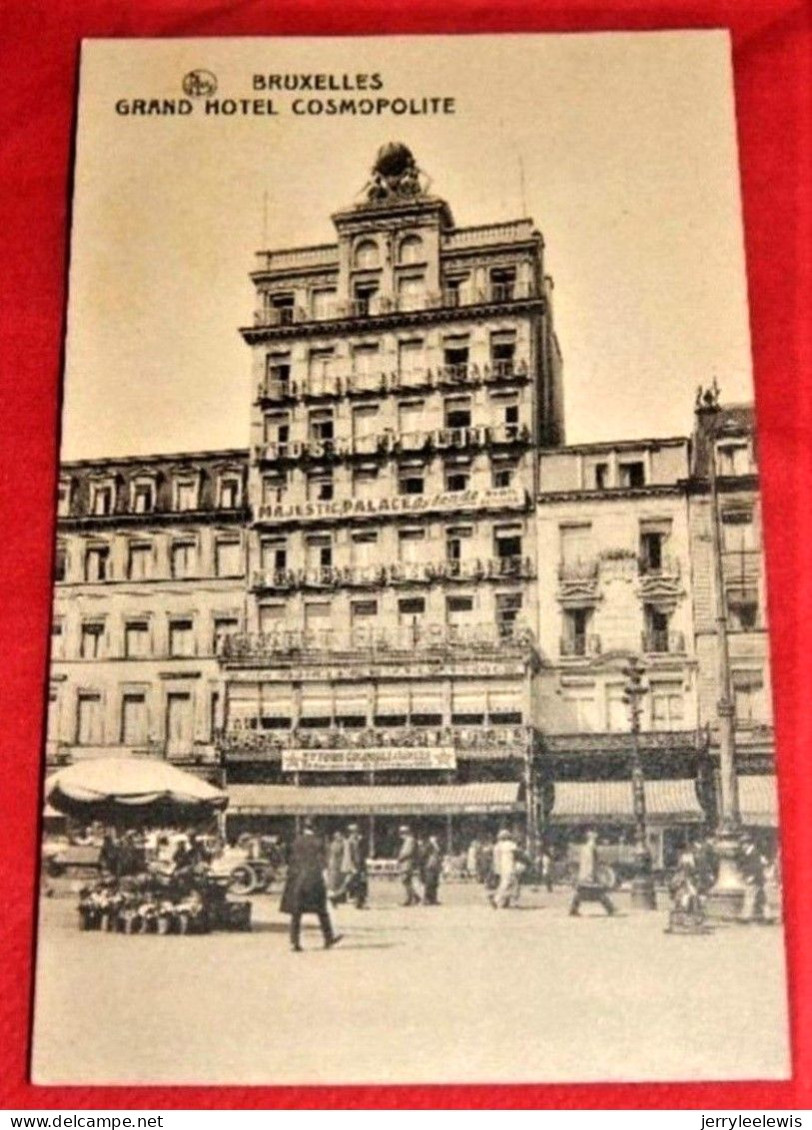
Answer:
[(458, 992)]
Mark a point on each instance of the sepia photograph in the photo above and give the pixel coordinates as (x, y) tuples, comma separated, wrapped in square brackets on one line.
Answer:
[(409, 711)]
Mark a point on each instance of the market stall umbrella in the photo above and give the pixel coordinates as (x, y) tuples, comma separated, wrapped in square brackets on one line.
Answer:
[(131, 790)]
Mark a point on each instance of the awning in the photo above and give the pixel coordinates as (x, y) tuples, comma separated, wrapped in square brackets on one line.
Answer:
[(672, 801), (758, 801), (378, 800)]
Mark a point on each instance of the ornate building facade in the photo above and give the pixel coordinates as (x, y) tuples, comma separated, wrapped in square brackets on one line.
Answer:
[(407, 598)]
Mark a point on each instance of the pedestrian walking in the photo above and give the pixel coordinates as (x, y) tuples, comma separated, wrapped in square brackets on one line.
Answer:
[(408, 864), (305, 891), (358, 882), (432, 869), (472, 859), (753, 867), (505, 871), (546, 867), (336, 874), (588, 887)]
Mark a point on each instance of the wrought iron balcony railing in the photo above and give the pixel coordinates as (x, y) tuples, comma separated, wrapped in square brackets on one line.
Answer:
[(406, 572), (578, 570), (663, 643), (380, 305), (392, 443), (417, 637), (381, 382), (250, 737), (580, 646)]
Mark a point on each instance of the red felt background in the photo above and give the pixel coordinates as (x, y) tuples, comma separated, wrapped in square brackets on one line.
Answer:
[(771, 52)]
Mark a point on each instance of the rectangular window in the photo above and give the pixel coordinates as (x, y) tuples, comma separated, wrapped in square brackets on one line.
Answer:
[(274, 555), (411, 292), (365, 482), (273, 489), (365, 427), (458, 412), (411, 546), (321, 425), (91, 641), (502, 475), (364, 294), (738, 533), (455, 541), (186, 494), (632, 475), (456, 352), (458, 611), (224, 626), (179, 724), (366, 361), (277, 429), (364, 548), (60, 561), (411, 361), (361, 611), (139, 561), (508, 610), (143, 498), (667, 706), (651, 551), (733, 459), (183, 559), (136, 639), (181, 638), (228, 558), (600, 476), (57, 639), (283, 307), (97, 563), (319, 551), (503, 284), (577, 546), (134, 731), (89, 720), (454, 292), (320, 486), (320, 367), (411, 480), (324, 303), (507, 541), (271, 618), (742, 610), (503, 352), (411, 419), (63, 499), (277, 372), (103, 499), (748, 693), (579, 709), (577, 623), (229, 494), (457, 478), (317, 616), (411, 606)]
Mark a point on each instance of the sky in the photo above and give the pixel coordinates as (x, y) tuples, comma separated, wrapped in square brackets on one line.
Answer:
[(621, 147)]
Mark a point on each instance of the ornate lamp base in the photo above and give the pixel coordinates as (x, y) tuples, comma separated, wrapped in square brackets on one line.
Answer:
[(725, 900)]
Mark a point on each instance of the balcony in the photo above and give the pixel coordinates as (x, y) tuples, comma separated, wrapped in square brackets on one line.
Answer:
[(663, 643), (382, 305), (392, 443), (475, 639), (382, 382), (400, 573), (496, 741), (580, 647)]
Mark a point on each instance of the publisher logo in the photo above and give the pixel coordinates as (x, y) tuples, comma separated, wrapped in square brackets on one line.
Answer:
[(199, 83)]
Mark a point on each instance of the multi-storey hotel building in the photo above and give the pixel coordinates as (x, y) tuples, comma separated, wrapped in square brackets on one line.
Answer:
[(405, 377), (407, 598)]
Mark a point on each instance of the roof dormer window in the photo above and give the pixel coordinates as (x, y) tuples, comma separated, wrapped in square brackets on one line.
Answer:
[(186, 494)]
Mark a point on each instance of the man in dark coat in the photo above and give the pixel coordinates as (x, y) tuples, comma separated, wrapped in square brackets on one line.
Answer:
[(358, 886), (305, 891)]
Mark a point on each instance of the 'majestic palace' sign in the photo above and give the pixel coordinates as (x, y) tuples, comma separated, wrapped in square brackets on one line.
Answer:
[(496, 498), (372, 757)]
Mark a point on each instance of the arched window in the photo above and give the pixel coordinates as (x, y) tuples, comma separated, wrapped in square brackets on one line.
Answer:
[(366, 254), (411, 250)]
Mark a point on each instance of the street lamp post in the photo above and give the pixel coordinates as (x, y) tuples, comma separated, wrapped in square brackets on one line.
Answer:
[(725, 899), (643, 893)]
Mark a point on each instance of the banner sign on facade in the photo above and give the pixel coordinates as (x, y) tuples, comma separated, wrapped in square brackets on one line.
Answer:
[(373, 757), (496, 498)]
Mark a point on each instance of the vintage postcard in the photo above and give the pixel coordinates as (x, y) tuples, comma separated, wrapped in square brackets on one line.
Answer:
[(409, 709)]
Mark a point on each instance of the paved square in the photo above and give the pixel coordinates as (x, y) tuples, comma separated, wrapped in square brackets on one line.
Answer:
[(455, 993)]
